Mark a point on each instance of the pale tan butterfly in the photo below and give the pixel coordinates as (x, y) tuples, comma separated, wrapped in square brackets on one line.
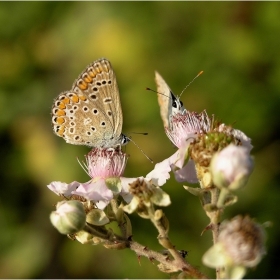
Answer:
[(90, 113), (169, 103)]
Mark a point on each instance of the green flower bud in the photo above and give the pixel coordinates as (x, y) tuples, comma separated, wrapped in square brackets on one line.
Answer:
[(69, 217)]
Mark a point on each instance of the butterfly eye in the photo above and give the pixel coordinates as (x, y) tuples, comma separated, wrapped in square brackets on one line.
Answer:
[(181, 103), (174, 104)]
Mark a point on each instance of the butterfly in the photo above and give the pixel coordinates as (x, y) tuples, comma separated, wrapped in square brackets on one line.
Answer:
[(90, 113), (168, 102)]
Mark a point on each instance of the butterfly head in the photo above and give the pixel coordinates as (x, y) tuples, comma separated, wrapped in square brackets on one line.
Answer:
[(177, 104)]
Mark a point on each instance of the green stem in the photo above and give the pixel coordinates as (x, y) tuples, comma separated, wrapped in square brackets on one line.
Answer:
[(215, 221), (222, 197), (118, 216)]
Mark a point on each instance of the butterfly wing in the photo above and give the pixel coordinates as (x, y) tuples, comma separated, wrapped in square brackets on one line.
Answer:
[(164, 99), (90, 114)]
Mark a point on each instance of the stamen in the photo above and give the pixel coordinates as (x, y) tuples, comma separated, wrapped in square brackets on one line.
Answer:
[(84, 166)]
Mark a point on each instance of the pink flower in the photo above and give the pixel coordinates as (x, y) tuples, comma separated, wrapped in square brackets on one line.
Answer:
[(105, 167), (105, 163), (184, 128)]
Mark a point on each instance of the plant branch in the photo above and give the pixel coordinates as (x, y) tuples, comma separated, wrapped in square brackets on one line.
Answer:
[(173, 265)]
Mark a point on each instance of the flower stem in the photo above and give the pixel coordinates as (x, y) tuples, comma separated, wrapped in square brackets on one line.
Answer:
[(215, 218), (171, 265), (178, 263), (222, 197)]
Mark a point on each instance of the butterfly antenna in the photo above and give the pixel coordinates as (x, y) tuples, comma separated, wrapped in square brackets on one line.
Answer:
[(142, 133), (191, 82), (158, 92), (141, 150)]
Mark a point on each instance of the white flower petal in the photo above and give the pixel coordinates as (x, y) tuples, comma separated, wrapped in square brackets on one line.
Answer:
[(245, 140), (63, 188), (187, 173), (95, 191), (160, 173)]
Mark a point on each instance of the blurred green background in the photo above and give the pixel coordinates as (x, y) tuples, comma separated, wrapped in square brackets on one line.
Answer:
[(44, 46)]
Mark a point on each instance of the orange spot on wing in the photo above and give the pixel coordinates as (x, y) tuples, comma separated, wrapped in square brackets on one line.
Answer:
[(92, 74), (75, 98), (62, 106), (87, 79), (60, 120), (61, 131), (82, 84), (60, 113), (82, 97), (66, 100)]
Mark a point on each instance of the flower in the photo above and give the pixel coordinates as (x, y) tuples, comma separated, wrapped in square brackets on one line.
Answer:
[(105, 167), (231, 167), (187, 125), (105, 163), (184, 128), (198, 138), (240, 244)]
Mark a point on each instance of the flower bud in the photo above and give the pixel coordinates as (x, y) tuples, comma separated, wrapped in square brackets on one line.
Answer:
[(231, 167), (240, 244), (243, 239), (69, 217)]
